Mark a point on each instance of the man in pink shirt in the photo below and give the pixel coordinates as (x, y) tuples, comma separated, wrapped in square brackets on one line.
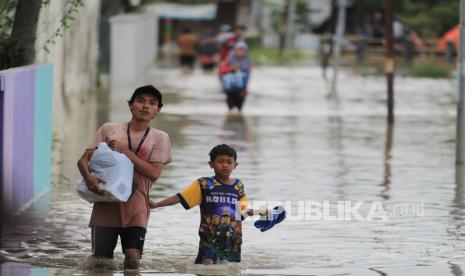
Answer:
[(149, 149)]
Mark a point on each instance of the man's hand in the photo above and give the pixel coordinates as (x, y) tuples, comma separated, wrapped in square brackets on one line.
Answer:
[(117, 146), (92, 183)]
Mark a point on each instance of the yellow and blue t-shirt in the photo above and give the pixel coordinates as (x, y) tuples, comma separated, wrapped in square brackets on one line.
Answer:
[(221, 209)]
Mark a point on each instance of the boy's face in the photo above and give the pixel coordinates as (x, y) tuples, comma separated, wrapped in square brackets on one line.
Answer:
[(223, 165), (240, 52), (144, 107)]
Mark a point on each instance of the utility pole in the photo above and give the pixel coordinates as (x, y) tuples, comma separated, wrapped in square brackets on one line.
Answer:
[(340, 30), (389, 63), (460, 142)]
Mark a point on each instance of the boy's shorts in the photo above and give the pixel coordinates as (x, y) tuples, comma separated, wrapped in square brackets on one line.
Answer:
[(104, 239), (207, 252)]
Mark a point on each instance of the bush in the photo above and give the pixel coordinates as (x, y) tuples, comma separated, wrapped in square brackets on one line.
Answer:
[(430, 70), (262, 56)]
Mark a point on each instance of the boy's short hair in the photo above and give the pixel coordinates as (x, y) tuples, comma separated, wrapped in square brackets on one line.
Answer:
[(222, 149), (147, 89)]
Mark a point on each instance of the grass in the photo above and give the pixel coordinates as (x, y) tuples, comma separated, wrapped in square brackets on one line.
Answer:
[(430, 70), (262, 56)]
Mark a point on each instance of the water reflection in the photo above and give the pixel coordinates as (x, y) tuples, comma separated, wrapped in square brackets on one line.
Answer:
[(387, 161), (455, 269), (459, 202), (237, 131), (336, 144)]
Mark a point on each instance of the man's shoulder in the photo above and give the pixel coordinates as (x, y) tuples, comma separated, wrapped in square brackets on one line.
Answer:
[(158, 133), (112, 125)]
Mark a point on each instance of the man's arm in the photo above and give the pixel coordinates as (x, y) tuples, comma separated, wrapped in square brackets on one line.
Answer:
[(91, 180), (151, 170), (165, 202)]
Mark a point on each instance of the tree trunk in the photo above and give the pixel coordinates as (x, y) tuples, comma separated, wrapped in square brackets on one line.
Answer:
[(284, 29), (24, 32)]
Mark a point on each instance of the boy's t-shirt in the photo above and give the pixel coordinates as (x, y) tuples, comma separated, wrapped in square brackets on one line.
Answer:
[(156, 148), (221, 209)]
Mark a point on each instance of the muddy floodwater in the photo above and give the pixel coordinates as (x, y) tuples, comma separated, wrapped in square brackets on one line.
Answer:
[(362, 198)]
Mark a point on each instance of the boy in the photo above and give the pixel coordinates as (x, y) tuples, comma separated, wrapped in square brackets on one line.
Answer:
[(149, 150), (223, 204)]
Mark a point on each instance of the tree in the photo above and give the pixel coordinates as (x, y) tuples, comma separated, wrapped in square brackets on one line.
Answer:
[(24, 31), (18, 29), (430, 18)]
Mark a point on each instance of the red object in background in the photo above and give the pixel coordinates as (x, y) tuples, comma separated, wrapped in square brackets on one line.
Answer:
[(227, 46), (451, 35)]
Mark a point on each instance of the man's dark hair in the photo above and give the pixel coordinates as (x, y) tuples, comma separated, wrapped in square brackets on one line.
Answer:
[(222, 149), (147, 89), (186, 30), (241, 27)]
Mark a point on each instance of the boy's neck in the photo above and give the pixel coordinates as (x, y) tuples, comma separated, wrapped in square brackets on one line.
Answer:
[(136, 125), (226, 180)]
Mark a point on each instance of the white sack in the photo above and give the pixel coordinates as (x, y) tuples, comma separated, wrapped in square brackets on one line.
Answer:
[(113, 167)]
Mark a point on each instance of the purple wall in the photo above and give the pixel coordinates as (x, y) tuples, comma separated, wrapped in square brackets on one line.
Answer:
[(25, 131), (23, 134)]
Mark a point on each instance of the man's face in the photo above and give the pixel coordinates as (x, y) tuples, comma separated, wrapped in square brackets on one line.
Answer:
[(223, 165), (144, 107), (239, 32)]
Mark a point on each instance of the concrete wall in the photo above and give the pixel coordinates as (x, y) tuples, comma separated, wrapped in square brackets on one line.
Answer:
[(74, 58), (133, 47), (26, 141)]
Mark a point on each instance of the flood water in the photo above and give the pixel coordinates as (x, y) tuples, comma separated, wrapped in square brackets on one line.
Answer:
[(298, 145)]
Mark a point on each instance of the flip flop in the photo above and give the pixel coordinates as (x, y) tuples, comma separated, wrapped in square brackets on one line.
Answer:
[(278, 214)]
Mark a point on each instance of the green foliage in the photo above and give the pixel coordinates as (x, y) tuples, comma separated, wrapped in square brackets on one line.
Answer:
[(369, 6), (430, 70), (262, 56), (57, 145), (430, 19), (302, 20), (277, 21), (254, 41), (69, 16), (8, 50)]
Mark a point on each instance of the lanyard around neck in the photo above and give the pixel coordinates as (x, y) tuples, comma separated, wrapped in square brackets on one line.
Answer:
[(141, 141)]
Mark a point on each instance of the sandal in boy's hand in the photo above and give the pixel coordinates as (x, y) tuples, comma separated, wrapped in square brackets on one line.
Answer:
[(277, 215)]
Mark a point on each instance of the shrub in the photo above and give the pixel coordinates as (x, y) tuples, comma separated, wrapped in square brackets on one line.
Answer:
[(430, 70)]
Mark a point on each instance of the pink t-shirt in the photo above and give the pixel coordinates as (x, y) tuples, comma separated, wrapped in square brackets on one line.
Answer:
[(156, 148)]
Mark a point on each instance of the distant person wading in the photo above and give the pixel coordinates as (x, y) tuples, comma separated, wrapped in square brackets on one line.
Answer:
[(187, 44)]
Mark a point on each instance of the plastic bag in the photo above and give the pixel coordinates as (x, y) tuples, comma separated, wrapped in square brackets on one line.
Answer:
[(234, 82), (113, 167)]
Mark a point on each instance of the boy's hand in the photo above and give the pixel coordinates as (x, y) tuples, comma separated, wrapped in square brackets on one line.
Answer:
[(153, 204), (92, 183)]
